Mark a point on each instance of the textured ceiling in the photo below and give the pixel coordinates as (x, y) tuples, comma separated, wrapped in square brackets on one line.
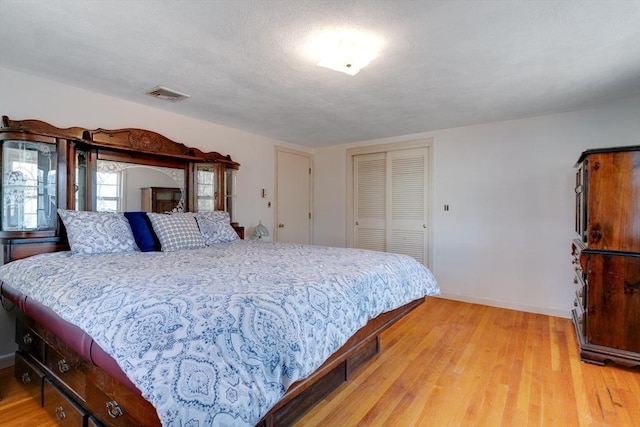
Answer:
[(444, 63)]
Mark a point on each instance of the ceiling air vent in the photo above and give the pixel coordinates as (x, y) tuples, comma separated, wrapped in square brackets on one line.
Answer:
[(167, 94)]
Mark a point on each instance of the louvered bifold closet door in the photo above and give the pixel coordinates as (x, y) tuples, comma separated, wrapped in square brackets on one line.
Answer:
[(407, 194), (369, 172)]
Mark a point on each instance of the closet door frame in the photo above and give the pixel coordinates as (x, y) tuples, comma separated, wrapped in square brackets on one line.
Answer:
[(427, 143)]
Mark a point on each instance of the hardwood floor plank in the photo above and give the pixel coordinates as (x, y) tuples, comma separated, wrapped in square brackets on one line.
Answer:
[(485, 366), (17, 408), (454, 364)]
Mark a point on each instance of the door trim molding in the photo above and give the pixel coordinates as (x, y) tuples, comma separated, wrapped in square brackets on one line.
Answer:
[(282, 149), (429, 144)]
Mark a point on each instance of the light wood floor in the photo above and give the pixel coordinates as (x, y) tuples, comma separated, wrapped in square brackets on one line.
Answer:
[(456, 364)]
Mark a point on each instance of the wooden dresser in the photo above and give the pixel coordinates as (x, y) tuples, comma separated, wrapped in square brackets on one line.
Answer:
[(160, 199), (606, 255)]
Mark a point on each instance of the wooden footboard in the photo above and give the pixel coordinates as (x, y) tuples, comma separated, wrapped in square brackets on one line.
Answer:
[(72, 387)]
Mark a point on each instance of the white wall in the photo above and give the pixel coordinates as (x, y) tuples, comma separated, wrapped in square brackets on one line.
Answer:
[(23, 96), (506, 239)]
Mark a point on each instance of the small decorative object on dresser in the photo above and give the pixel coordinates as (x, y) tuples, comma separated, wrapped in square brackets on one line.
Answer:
[(606, 255), (260, 231)]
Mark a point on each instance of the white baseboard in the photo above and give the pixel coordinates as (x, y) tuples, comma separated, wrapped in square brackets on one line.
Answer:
[(556, 312), (6, 360)]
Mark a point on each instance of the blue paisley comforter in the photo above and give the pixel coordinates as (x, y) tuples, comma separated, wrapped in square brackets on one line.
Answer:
[(215, 336)]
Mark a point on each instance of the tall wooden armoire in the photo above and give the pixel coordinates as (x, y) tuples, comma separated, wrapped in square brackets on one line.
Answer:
[(606, 255)]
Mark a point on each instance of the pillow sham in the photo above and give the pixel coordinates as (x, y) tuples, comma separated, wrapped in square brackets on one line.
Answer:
[(176, 231), (215, 215), (142, 230), (97, 232), (215, 230)]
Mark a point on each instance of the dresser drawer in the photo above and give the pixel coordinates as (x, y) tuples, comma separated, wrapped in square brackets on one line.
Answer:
[(112, 412), (28, 341), (67, 370), (61, 408), (94, 422), (30, 376)]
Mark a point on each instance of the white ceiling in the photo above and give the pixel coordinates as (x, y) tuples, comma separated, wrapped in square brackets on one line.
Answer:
[(444, 63)]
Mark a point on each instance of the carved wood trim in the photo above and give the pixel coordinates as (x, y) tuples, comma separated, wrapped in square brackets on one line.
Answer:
[(127, 139), (38, 126), (139, 140), (146, 141)]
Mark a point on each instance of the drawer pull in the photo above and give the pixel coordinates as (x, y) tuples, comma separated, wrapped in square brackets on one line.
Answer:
[(27, 339), (60, 413), (62, 366), (26, 379), (114, 409)]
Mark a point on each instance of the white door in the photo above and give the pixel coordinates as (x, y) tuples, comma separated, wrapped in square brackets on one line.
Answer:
[(407, 207), (293, 197), (369, 181), (390, 203)]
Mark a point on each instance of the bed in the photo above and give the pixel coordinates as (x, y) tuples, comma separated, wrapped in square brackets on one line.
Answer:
[(230, 332), (270, 313)]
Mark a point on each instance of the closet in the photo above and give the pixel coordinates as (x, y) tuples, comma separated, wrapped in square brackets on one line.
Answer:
[(390, 200)]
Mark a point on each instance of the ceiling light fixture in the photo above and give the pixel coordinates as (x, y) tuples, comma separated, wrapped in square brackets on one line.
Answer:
[(344, 51)]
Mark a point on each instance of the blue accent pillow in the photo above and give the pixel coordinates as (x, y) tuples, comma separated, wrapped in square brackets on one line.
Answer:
[(143, 233)]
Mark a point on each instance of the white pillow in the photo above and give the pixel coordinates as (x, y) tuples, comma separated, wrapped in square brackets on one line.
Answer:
[(176, 231), (215, 230), (215, 215), (97, 232)]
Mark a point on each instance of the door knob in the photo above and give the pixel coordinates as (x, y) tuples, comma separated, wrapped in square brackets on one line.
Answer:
[(281, 225), (357, 223)]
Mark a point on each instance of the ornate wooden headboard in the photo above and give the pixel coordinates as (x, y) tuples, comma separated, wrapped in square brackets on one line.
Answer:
[(55, 154)]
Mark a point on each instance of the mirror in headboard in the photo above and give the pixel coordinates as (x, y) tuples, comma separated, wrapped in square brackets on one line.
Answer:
[(43, 168), (132, 187)]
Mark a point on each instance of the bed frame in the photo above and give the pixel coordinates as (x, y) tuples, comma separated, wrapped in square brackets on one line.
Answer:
[(66, 383), (73, 387)]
